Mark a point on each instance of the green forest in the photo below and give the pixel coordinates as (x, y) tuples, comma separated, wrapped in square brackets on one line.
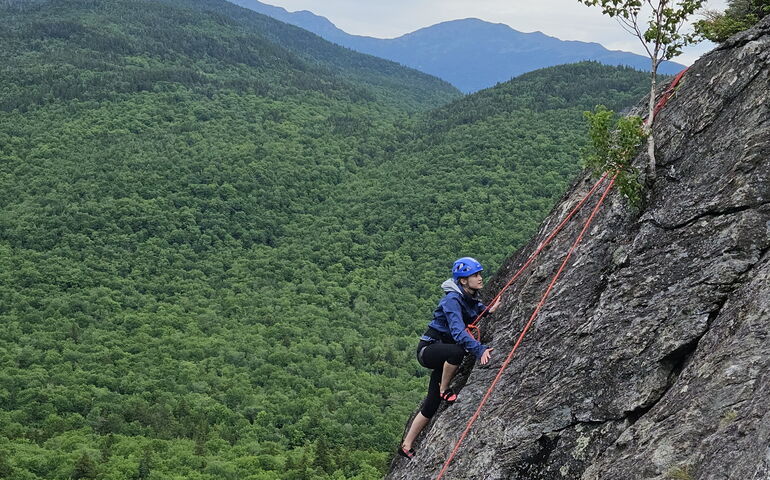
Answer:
[(221, 236)]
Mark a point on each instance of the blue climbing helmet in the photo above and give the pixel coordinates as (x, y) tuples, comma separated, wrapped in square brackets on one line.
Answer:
[(465, 267)]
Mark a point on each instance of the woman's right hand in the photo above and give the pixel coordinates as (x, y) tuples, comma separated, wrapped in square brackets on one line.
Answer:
[(485, 356)]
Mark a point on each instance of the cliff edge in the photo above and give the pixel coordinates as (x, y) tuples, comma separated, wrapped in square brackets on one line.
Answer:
[(650, 359)]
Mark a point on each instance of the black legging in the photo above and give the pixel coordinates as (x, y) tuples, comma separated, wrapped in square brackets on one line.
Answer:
[(433, 357)]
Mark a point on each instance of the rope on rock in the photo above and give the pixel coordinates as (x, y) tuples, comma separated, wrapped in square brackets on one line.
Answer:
[(668, 93), (524, 331), (474, 325), (661, 103)]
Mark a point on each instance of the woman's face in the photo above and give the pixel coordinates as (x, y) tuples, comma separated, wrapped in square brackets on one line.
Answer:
[(474, 282)]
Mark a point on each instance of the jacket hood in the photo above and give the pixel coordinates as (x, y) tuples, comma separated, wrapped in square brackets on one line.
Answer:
[(451, 286)]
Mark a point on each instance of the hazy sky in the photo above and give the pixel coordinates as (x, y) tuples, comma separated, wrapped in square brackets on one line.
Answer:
[(564, 19)]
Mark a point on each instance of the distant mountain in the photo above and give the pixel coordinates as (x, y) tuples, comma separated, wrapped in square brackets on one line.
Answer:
[(471, 54)]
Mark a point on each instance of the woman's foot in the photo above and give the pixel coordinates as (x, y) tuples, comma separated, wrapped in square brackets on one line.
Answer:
[(448, 396), (404, 452)]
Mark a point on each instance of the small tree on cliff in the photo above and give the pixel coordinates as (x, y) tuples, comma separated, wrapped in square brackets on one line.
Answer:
[(662, 38), (614, 142)]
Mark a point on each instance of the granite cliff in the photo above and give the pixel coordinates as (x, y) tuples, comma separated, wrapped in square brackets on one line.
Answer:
[(650, 359)]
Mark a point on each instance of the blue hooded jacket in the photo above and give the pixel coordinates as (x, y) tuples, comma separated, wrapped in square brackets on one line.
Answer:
[(454, 312)]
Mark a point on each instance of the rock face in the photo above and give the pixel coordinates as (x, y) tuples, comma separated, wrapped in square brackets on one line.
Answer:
[(650, 358)]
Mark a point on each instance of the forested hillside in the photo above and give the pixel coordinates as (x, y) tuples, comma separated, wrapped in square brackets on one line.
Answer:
[(95, 49), (478, 175), (220, 235)]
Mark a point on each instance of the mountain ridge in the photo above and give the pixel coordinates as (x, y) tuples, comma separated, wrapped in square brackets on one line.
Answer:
[(471, 54), (276, 42)]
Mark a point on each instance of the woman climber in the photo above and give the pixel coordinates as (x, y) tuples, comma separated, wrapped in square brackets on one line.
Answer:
[(444, 344)]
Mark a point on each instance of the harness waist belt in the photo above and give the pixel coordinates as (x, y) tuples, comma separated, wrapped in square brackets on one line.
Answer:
[(431, 334)]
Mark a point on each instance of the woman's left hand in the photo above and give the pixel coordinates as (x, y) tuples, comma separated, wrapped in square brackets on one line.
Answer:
[(486, 356), (495, 306)]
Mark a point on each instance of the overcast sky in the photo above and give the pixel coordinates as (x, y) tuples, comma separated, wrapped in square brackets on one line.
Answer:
[(564, 19)]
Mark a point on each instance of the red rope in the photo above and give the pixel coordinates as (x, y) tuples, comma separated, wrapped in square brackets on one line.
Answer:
[(524, 332), (667, 94), (474, 325)]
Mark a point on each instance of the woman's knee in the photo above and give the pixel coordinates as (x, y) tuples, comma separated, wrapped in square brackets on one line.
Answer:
[(456, 356), (430, 406)]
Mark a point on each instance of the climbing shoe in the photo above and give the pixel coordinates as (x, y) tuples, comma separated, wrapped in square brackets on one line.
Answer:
[(449, 396), (406, 453)]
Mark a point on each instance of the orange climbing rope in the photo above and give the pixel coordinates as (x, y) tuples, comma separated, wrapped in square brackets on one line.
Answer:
[(524, 331), (474, 325), (668, 93), (661, 103), (658, 106)]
